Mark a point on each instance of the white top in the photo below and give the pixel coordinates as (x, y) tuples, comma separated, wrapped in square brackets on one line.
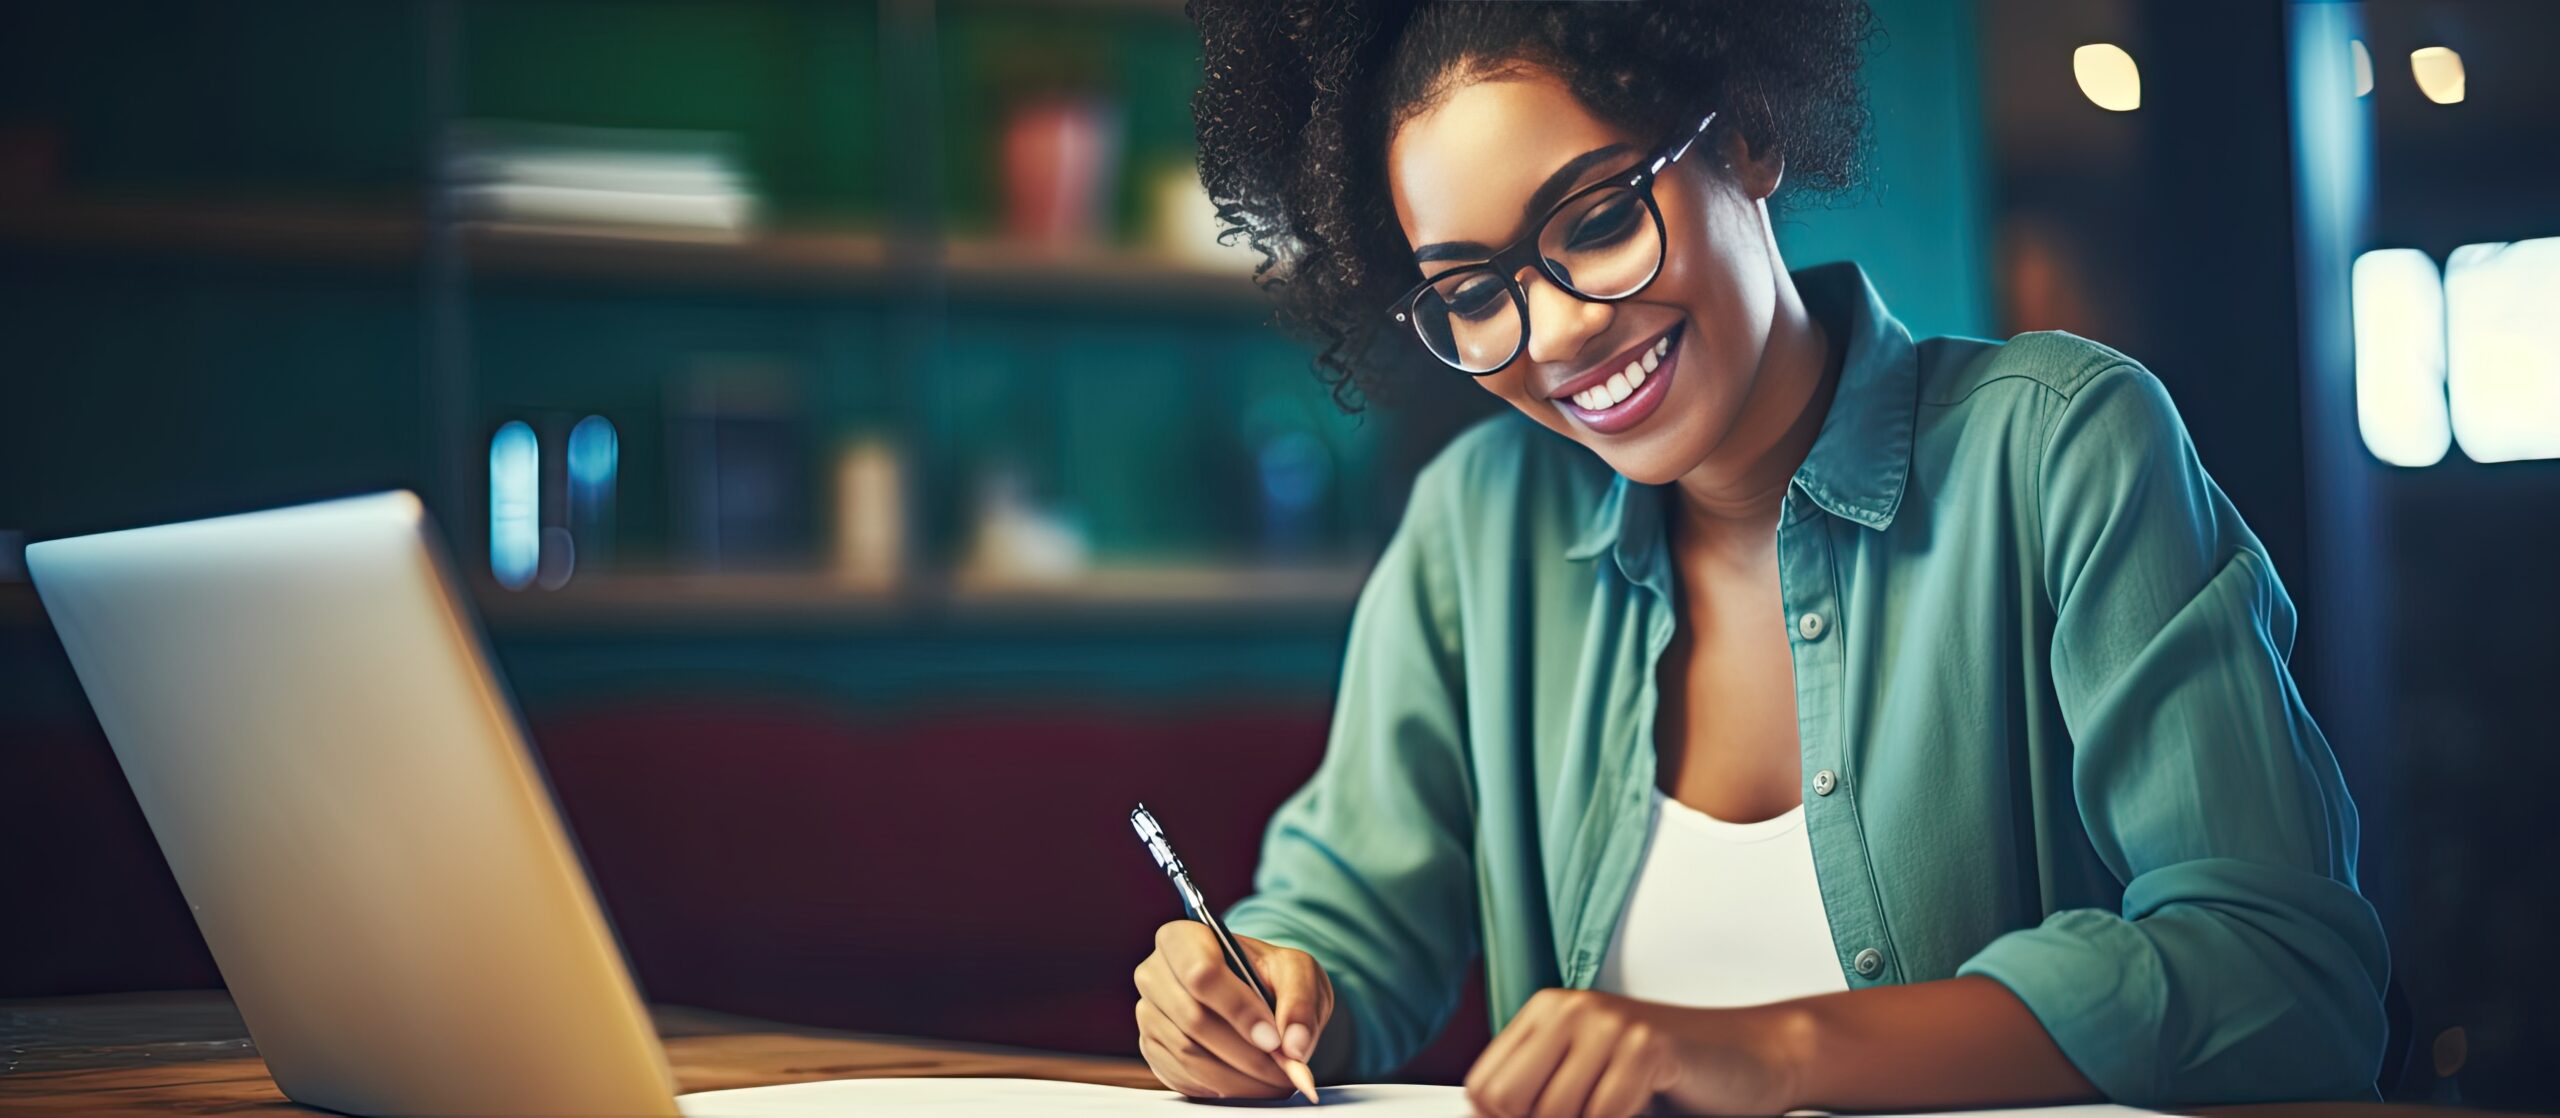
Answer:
[(1722, 914)]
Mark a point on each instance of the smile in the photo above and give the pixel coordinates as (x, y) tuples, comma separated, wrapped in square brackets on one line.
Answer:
[(1610, 399)]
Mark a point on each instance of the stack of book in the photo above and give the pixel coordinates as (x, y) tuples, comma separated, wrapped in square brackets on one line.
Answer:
[(605, 182)]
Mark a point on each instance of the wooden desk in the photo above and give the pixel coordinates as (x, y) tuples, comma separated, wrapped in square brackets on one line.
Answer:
[(187, 1053)]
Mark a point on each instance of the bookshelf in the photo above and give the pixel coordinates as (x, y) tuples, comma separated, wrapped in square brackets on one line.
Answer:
[(298, 167), (807, 258)]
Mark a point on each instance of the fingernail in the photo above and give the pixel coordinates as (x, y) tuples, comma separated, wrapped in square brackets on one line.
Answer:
[(1264, 1037), (1300, 1041)]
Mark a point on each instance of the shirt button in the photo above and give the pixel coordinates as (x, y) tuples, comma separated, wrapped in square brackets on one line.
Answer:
[(1809, 626), (1868, 962), (1824, 782)]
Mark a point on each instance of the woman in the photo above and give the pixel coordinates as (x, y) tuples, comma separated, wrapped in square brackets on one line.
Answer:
[(1790, 714)]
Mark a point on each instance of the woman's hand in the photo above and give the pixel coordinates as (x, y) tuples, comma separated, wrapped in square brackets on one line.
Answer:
[(1575, 1052), (1203, 1031)]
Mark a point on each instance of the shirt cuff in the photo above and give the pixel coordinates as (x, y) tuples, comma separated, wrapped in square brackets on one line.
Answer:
[(2096, 985)]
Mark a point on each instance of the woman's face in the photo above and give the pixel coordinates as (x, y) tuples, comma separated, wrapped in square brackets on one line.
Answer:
[(1465, 173)]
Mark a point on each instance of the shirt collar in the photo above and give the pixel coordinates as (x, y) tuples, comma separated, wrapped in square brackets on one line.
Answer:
[(1860, 458)]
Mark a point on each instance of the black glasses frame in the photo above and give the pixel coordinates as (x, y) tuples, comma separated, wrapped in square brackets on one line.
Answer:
[(1506, 264)]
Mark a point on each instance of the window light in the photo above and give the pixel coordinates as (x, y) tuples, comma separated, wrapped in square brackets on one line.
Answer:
[(2398, 302), (2502, 349)]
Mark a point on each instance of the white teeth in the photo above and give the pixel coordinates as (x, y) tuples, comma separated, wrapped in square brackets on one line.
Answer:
[(1623, 383)]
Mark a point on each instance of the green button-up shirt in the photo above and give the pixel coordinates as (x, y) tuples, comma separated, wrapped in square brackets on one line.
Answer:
[(2048, 731)]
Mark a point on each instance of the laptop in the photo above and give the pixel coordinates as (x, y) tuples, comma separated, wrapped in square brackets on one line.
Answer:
[(304, 708)]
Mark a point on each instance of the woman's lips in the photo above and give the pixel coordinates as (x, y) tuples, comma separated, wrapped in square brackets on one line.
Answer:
[(1642, 397)]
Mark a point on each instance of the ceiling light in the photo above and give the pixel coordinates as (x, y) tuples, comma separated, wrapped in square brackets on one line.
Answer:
[(2439, 73), (2108, 76)]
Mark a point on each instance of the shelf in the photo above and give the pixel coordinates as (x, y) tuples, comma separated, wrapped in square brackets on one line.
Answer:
[(1200, 588), (805, 259), (1102, 596), (1173, 8), (649, 598), (326, 234)]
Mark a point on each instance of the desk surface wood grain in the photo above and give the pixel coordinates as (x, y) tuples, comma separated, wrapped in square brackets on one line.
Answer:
[(187, 1053)]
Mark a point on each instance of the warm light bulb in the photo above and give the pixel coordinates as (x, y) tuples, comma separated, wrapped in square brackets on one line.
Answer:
[(2439, 73), (2108, 76), (2363, 60)]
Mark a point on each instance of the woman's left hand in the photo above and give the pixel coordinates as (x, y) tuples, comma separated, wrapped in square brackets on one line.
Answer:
[(1576, 1052)]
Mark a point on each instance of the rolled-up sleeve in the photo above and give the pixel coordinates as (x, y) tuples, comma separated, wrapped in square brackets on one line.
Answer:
[(2242, 963), (1369, 867)]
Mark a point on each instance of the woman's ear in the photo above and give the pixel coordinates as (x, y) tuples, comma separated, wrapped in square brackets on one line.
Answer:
[(1758, 172)]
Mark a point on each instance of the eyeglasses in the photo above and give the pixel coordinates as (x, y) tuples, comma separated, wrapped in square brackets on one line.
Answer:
[(1600, 244)]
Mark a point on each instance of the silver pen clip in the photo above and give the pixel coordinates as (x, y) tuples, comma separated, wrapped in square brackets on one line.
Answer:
[(1151, 833)]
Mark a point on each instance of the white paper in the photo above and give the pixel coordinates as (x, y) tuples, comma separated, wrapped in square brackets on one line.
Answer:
[(1005, 1098), (2083, 1110)]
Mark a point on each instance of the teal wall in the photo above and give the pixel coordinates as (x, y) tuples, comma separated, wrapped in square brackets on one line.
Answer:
[(1921, 230)]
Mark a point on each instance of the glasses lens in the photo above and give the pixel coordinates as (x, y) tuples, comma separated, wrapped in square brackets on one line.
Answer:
[(1606, 244), (1469, 320)]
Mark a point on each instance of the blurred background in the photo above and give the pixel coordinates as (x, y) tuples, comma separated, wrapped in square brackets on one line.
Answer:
[(859, 446)]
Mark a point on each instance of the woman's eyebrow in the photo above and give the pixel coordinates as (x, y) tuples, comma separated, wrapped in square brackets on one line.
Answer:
[(1546, 195)]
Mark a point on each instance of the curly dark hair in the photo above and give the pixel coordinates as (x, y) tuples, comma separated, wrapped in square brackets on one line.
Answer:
[(1298, 97)]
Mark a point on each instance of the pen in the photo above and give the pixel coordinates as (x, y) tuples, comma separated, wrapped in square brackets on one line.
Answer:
[(1196, 907)]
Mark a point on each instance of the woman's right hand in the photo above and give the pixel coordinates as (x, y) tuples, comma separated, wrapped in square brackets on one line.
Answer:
[(1205, 1033)]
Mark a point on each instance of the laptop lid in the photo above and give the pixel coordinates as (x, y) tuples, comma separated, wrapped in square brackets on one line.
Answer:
[(302, 704)]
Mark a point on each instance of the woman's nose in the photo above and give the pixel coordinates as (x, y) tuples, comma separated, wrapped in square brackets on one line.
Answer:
[(1560, 325)]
